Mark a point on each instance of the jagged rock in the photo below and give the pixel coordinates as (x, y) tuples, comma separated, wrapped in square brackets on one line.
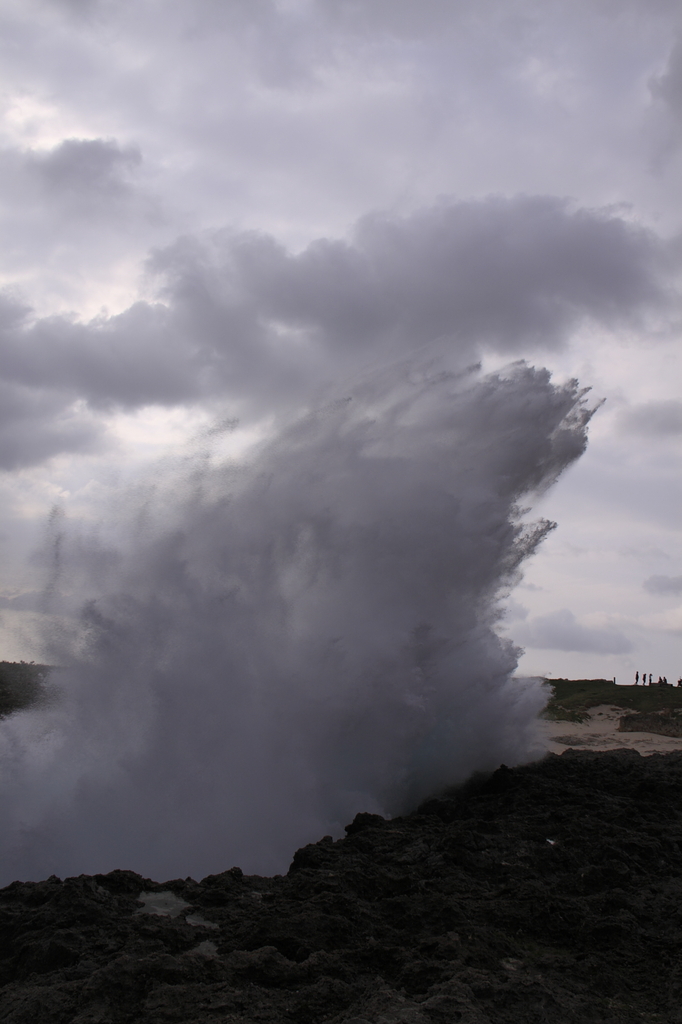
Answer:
[(545, 893)]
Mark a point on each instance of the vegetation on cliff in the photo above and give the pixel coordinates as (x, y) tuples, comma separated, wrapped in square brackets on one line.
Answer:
[(22, 685), (572, 699)]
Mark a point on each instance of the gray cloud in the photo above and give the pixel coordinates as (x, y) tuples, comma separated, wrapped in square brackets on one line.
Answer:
[(561, 631), (668, 85), (297, 117), (81, 175), (506, 273), (344, 145), (85, 167), (36, 424), (514, 611), (649, 418), (663, 584), (30, 601), (243, 320), (130, 360), (403, 19), (71, 219)]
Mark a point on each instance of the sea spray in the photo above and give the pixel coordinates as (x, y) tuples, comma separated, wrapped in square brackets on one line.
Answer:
[(280, 643)]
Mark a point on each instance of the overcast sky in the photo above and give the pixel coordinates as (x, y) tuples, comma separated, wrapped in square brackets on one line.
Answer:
[(209, 209)]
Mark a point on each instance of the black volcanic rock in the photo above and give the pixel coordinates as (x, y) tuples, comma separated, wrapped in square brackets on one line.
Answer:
[(547, 893)]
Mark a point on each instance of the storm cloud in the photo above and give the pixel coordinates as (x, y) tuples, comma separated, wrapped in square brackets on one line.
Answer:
[(242, 320)]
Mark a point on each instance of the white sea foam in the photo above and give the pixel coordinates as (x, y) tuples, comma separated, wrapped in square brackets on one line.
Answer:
[(280, 644)]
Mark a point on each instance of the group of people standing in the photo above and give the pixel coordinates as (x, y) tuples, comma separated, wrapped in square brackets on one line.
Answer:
[(661, 681)]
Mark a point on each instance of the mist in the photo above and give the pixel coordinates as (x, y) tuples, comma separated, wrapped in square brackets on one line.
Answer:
[(277, 643)]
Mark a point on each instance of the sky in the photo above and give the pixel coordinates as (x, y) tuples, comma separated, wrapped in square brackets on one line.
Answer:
[(210, 210)]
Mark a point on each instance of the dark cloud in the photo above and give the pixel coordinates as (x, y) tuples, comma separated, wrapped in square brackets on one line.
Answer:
[(36, 424), (560, 631), (663, 584), (246, 322), (129, 360), (82, 175), (85, 167), (13, 312), (662, 418), (504, 273)]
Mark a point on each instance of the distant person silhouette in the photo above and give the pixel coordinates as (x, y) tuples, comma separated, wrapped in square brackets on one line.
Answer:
[(636, 678), (650, 679), (679, 681)]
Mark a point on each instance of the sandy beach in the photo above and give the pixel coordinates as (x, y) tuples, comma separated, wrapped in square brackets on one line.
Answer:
[(600, 732)]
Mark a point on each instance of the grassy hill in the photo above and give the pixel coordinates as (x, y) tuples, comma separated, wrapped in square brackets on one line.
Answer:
[(22, 685), (572, 698)]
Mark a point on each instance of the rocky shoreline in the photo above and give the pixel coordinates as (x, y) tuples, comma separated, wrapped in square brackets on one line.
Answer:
[(547, 893)]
